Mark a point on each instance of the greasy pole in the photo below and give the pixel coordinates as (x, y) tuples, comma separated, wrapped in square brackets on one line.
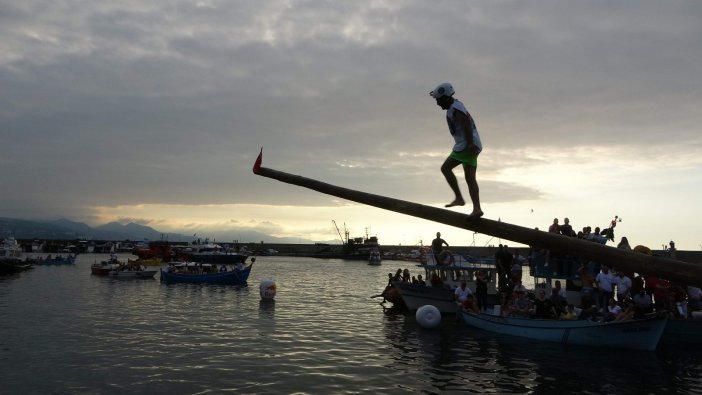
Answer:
[(670, 269)]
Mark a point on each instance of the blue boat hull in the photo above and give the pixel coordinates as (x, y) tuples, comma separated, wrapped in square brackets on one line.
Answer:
[(683, 331), (218, 259), (233, 277), (633, 334)]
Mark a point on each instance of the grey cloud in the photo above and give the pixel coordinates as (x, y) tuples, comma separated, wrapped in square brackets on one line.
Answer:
[(169, 102)]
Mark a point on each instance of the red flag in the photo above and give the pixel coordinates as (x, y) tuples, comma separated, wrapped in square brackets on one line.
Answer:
[(257, 164)]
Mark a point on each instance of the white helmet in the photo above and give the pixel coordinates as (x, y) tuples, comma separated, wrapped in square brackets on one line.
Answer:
[(442, 90)]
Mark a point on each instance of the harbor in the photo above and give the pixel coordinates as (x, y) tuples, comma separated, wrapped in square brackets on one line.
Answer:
[(149, 337)]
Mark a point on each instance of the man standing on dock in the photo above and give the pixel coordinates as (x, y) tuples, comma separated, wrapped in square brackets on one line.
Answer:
[(466, 149)]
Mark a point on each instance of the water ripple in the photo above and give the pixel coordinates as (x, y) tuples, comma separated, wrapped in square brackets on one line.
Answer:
[(67, 332)]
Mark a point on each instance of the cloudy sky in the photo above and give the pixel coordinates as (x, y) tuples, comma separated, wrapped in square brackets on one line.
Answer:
[(153, 112)]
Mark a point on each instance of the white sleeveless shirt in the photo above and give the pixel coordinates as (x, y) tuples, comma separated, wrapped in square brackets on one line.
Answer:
[(457, 131)]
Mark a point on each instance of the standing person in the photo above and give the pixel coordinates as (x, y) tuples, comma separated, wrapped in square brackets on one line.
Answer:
[(466, 149), (481, 290), (501, 275), (624, 284), (605, 281), (437, 245)]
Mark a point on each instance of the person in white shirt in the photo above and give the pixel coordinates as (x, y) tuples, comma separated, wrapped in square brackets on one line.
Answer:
[(623, 286), (461, 293), (466, 149), (605, 282)]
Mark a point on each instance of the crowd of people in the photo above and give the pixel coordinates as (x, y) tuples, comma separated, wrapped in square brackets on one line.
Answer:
[(605, 293)]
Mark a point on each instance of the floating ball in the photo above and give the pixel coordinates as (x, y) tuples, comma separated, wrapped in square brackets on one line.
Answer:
[(267, 289), (428, 316)]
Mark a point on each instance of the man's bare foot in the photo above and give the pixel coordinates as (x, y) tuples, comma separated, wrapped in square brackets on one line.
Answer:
[(475, 214), (457, 202)]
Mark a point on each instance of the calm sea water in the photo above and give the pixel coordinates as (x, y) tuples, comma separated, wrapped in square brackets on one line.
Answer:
[(63, 331)]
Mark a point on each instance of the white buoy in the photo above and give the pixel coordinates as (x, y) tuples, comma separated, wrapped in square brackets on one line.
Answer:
[(267, 289), (428, 316)]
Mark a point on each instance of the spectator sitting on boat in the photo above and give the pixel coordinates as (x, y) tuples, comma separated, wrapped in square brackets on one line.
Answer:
[(521, 306), (588, 307), (398, 275), (542, 308), (554, 228), (462, 292), (613, 310), (642, 304), (569, 313), (414, 280), (470, 305), (420, 280), (566, 229), (624, 244), (406, 278), (596, 236)]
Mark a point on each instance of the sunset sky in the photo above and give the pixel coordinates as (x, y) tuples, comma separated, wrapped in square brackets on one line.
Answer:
[(154, 112)]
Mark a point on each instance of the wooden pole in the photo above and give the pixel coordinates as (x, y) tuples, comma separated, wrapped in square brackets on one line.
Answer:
[(670, 269)]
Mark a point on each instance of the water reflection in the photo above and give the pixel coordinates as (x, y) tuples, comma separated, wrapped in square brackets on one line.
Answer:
[(266, 308)]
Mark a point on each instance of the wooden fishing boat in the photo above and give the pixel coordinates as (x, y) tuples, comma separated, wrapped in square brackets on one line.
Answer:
[(641, 334), (145, 262), (103, 268), (196, 272), (14, 265), (446, 278)]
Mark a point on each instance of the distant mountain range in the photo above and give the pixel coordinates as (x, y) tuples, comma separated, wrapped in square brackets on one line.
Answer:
[(64, 229)]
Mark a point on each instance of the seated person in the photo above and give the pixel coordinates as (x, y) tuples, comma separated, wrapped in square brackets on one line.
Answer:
[(613, 310), (569, 313), (642, 304), (588, 307), (470, 305), (543, 308), (462, 293), (521, 306)]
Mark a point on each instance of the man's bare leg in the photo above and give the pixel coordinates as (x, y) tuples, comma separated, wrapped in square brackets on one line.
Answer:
[(447, 171), (473, 190)]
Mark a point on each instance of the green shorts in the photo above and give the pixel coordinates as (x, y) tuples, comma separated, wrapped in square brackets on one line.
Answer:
[(465, 157)]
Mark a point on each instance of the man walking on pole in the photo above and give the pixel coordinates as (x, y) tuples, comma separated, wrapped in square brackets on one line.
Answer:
[(466, 149)]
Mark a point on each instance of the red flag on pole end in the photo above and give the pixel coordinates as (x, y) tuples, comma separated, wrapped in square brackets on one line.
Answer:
[(257, 164)]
